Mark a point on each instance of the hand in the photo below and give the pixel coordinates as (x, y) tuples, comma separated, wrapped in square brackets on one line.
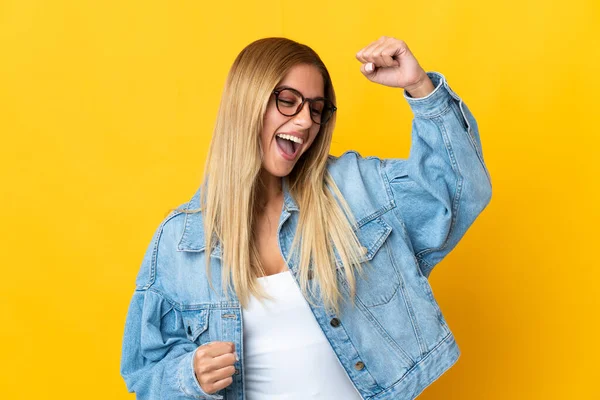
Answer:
[(213, 365), (389, 62)]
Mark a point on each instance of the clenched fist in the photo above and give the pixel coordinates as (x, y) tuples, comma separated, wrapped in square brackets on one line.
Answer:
[(213, 365), (389, 62)]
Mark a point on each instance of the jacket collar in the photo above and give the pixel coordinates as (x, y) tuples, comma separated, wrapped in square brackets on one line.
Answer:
[(288, 201), (192, 238)]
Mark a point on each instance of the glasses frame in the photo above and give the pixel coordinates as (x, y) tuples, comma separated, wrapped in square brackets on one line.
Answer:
[(328, 102)]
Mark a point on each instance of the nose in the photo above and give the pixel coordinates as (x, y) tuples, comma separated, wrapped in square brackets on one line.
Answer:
[(303, 117)]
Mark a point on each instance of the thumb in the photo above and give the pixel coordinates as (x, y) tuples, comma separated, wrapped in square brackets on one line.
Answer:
[(368, 69)]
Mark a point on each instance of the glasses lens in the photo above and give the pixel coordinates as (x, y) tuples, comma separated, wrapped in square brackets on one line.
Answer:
[(288, 102), (326, 112), (316, 110)]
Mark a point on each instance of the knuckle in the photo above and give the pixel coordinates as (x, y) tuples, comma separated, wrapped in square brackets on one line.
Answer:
[(200, 353), (202, 368), (209, 388)]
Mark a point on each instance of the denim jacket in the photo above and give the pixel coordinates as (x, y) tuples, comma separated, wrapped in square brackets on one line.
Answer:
[(409, 214)]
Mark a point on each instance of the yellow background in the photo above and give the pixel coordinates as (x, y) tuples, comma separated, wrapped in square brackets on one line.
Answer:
[(106, 112)]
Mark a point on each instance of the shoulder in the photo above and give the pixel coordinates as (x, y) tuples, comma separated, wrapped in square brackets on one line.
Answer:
[(351, 165), (350, 157), (362, 183), (167, 240)]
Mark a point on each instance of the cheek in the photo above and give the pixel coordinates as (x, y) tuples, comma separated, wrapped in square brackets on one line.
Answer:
[(313, 136), (271, 122), (267, 130)]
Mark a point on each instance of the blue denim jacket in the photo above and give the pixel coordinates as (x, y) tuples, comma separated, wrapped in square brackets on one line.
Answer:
[(410, 213)]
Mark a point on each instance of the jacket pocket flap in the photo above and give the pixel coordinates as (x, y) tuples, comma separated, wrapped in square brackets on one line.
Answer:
[(195, 322), (372, 235)]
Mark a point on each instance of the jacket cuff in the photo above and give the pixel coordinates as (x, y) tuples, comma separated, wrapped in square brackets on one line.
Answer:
[(436, 102), (187, 380)]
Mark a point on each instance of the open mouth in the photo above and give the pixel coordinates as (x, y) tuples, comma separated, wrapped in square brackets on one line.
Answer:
[(288, 148)]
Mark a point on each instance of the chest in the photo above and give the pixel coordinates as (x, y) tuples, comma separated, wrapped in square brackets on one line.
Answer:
[(266, 241)]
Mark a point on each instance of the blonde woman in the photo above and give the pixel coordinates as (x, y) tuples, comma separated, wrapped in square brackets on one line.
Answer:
[(294, 274)]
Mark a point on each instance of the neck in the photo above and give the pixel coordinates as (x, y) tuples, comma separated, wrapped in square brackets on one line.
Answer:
[(271, 191)]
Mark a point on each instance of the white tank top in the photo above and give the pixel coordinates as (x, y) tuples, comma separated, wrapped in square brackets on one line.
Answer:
[(286, 354)]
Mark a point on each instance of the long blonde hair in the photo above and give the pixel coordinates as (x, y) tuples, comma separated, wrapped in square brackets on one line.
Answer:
[(231, 183)]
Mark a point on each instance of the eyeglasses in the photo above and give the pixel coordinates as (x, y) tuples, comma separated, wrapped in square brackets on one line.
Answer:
[(290, 102)]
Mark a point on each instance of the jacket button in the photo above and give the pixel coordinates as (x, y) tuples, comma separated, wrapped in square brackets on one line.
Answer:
[(237, 372), (310, 274), (335, 322), (359, 365)]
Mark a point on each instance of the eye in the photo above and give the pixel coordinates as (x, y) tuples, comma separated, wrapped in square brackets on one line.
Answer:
[(316, 109)]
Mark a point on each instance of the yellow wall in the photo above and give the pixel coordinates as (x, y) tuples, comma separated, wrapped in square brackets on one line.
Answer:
[(106, 112)]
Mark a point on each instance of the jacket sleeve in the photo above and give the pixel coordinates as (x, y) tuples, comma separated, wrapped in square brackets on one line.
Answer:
[(157, 356), (444, 184)]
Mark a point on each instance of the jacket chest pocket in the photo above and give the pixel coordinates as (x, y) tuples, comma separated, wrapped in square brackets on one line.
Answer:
[(380, 280), (195, 324)]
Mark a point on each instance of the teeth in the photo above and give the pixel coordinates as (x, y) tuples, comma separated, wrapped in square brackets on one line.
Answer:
[(290, 137)]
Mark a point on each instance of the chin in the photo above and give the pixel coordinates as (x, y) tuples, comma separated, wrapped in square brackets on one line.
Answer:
[(278, 172), (282, 173)]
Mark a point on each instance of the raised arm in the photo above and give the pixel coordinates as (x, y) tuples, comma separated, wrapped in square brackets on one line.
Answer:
[(444, 184)]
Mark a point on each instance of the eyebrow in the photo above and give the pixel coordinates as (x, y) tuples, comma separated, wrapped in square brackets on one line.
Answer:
[(293, 88)]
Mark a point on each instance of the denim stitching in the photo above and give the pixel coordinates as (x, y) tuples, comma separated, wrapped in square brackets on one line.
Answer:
[(457, 194), (367, 313), (409, 307)]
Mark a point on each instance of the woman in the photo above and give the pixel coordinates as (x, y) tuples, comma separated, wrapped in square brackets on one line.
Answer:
[(293, 274)]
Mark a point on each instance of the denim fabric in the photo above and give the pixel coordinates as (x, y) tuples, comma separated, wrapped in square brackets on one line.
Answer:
[(410, 213)]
